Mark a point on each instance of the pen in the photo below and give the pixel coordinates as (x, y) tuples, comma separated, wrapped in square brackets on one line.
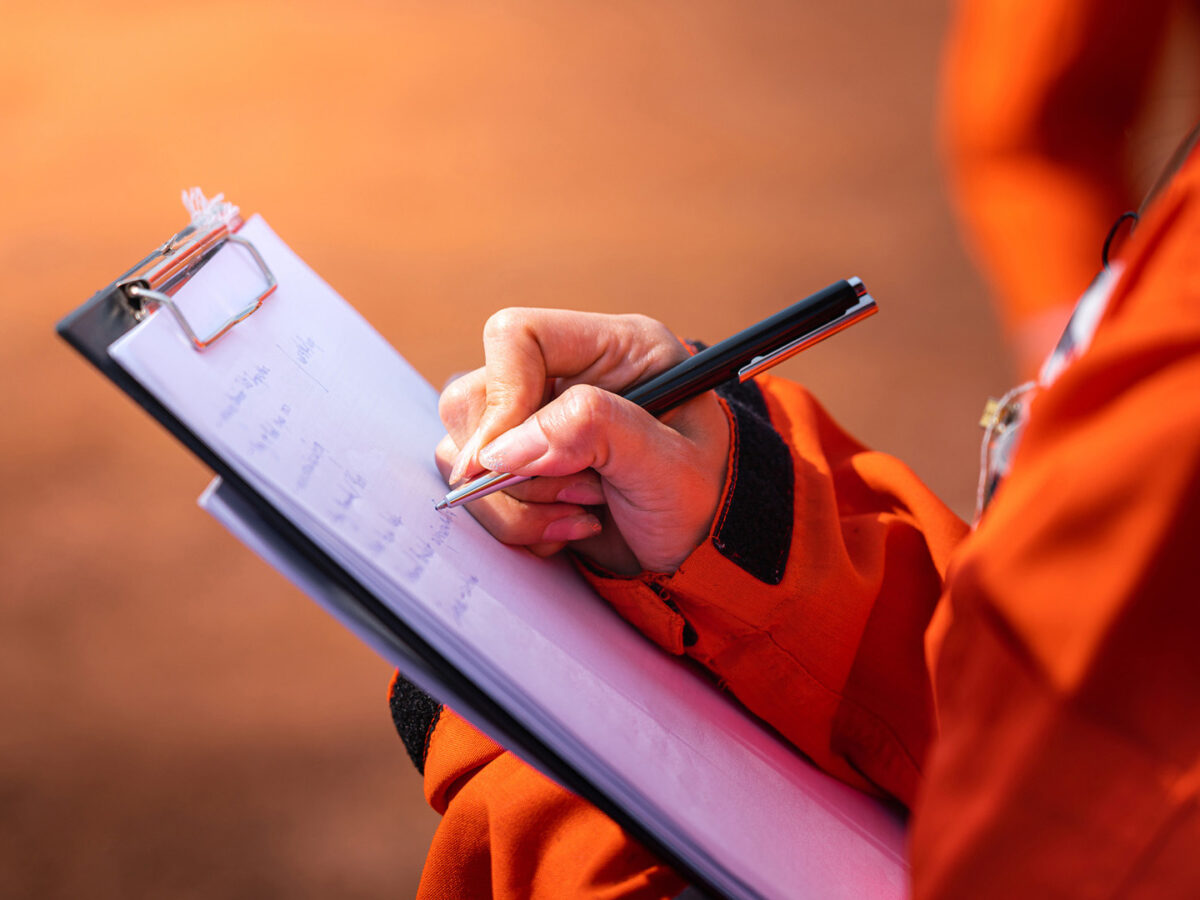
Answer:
[(740, 357)]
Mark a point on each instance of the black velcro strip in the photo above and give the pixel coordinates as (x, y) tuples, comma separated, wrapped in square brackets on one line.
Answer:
[(754, 528)]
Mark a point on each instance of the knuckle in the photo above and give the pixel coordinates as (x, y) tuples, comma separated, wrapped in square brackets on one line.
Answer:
[(582, 424), (453, 396), (666, 354), (654, 342), (503, 401), (504, 323), (645, 325), (586, 407), (651, 330)]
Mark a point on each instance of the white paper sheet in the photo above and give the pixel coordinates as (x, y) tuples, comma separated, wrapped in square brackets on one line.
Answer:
[(318, 413)]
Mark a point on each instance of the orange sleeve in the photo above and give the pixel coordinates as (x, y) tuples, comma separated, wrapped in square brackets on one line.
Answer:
[(810, 599), (1038, 97), (1067, 759), (509, 832), (1068, 682)]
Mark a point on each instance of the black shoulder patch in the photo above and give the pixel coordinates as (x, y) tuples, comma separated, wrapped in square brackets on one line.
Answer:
[(754, 529), (415, 715)]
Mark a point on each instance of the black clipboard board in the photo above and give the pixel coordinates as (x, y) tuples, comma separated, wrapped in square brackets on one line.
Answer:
[(117, 308)]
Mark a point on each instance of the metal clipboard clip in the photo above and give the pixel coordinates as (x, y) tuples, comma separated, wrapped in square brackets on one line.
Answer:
[(153, 281)]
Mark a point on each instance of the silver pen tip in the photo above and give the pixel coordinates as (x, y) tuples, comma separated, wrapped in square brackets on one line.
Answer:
[(442, 504)]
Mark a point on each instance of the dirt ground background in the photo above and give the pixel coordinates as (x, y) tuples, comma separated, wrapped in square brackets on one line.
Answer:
[(177, 720)]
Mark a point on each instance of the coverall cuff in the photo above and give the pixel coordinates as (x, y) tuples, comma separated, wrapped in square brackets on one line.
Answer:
[(748, 541), (456, 751)]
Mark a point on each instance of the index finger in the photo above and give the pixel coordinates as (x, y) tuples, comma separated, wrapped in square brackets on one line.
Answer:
[(525, 349)]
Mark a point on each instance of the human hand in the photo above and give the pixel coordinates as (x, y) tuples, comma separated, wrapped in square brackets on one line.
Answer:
[(625, 489)]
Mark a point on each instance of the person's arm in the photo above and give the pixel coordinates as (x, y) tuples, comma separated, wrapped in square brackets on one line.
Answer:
[(745, 530), (1068, 684), (811, 592), (1038, 99), (507, 831)]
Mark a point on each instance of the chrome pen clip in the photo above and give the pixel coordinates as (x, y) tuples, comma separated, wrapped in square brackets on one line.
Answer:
[(153, 281), (865, 306)]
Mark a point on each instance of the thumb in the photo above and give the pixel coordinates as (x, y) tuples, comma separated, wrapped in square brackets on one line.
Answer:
[(661, 485), (585, 427)]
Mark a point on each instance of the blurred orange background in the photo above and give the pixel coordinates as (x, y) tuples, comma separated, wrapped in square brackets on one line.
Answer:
[(178, 721)]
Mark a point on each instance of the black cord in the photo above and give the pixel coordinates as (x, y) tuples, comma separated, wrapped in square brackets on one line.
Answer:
[(1112, 233)]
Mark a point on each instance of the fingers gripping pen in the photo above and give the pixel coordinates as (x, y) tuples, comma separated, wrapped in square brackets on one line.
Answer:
[(739, 357)]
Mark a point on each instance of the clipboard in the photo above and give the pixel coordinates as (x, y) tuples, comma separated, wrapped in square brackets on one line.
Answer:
[(97, 324), (149, 288)]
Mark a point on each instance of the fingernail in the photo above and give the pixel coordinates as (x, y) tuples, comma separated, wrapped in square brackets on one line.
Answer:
[(585, 493), (572, 528), (456, 471), (464, 458), (515, 448)]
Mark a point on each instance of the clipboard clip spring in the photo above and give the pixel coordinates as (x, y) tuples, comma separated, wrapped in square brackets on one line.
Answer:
[(174, 263)]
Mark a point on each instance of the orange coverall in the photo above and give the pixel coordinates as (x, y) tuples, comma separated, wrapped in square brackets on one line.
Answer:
[(1038, 101), (1031, 690)]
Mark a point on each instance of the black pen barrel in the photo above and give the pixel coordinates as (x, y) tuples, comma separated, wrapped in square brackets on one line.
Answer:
[(722, 362)]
